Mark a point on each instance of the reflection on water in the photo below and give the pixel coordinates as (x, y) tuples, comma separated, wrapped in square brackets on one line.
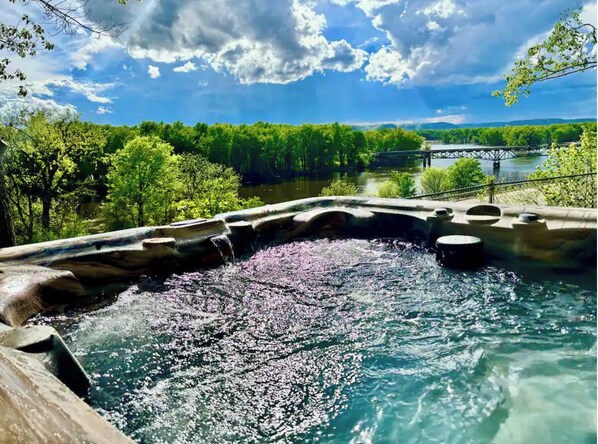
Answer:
[(369, 181), (346, 341)]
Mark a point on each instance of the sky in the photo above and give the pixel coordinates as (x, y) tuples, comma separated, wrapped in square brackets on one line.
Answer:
[(299, 61)]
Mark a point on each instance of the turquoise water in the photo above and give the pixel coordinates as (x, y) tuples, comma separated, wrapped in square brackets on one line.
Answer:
[(344, 341)]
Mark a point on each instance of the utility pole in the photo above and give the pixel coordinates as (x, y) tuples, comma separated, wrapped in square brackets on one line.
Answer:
[(7, 231)]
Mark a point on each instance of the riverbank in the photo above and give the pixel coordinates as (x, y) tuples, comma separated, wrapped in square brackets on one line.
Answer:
[(370, 179)]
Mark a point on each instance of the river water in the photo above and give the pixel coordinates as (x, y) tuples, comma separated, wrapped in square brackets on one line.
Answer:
[(369, 181)]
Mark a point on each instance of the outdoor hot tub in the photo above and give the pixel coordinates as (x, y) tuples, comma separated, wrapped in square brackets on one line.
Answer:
[(320, 320)]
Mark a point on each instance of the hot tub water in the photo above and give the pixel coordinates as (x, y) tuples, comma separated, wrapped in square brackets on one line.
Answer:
[(342, 341)]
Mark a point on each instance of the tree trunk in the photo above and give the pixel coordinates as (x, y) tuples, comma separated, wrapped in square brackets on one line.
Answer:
[(7, 231), (46, 206), (140, 216)]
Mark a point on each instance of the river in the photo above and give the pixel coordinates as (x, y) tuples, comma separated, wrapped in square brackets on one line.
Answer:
[(369, 180)]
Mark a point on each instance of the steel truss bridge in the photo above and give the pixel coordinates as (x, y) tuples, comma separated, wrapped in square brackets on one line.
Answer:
[(493, 153)]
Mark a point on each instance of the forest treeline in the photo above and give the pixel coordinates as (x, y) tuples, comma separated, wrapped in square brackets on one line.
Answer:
[(156, 172), (264, 151), (511, 135)]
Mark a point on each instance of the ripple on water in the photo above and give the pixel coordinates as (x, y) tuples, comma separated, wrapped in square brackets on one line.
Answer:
[(343, 341)]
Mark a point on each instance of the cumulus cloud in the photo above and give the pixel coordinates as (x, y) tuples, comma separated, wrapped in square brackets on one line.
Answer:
[(50, 71), (12, 105), (454, 41), (83, 49), (187, 67), (268, 41), (104, 110), (153, 71), (46, 74), (91, 90)]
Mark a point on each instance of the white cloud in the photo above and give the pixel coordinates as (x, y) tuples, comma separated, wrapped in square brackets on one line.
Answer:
[(153, 71), (85, 49), (187, 67), (12, 105), (104, 110), (90, 90), (49, 71), (45, 73), (202, 83), (589, 13), (453, 118), (434, 42), (268, 41)]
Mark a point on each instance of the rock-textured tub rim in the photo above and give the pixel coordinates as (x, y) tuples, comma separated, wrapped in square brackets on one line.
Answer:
[(36, 277)]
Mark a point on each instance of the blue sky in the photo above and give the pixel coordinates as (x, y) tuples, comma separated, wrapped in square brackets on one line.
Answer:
[(297, 61)]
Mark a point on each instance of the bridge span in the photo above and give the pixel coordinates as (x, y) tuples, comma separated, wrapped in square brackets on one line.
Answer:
[(493, 153)]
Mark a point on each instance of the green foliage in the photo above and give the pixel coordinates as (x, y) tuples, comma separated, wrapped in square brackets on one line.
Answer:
[(405, 183), (432, 180), (47, 153), (23, 39), (395, 139), (399, 185), (511, 135), (464, 173), (491, 137), (142, 183), (209, 189), (389, 189), (571, 160), (569, 48), (339, 188), (267, 151)]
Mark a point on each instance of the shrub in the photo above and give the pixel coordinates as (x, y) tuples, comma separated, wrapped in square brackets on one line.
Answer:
[(432, 180), (566, 161), (389, 189), (405, 184), (339, 188), (399, 185)]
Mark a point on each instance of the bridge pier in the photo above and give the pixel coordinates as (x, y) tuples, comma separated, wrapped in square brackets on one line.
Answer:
[(496, 166), (427, 160)]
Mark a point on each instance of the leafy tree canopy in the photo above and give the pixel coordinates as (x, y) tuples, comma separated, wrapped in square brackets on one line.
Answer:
[(142, 183), (47, 152), (464, 173), (570, 48)]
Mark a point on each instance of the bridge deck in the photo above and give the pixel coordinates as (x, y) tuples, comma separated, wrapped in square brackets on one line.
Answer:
[(493, 153), (521, 150), (530, 149)]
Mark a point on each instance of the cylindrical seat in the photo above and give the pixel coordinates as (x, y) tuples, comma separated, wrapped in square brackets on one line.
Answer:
[(460, 251)]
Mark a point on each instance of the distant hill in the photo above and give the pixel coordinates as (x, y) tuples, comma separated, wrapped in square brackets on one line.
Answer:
[(447, 125)]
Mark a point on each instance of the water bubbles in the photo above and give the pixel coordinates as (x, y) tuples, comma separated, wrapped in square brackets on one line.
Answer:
[(343, 341)]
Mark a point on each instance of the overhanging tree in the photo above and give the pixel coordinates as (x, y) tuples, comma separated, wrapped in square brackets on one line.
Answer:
[(570, 48), (28, 36)]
